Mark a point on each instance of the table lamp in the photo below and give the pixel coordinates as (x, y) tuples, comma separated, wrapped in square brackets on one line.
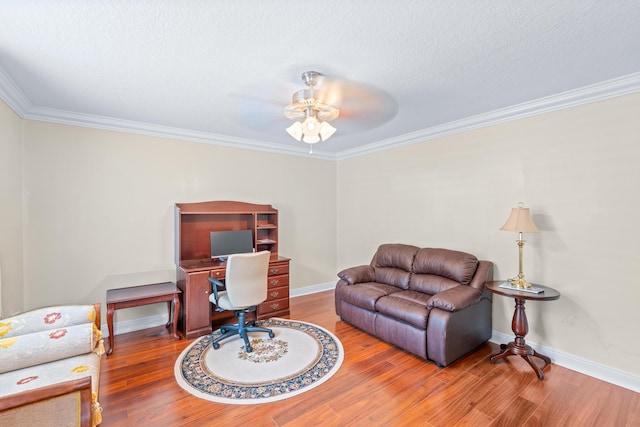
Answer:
[(520, 221)]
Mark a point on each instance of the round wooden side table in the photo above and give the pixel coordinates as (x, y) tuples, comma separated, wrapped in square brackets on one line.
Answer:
[(519, 324)]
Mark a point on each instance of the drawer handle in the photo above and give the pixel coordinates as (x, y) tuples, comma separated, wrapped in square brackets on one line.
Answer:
[(275, 294), (275, 282), (275, 270), (206, 292), (275, 306), (218, 273)]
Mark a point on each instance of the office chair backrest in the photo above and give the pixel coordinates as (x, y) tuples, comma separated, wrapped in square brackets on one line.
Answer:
[(246, 278)]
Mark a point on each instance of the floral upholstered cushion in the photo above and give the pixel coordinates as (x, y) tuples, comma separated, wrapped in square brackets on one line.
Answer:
[(48, 346), (71, 368), (43, 319), (47, 334), (22, 351)]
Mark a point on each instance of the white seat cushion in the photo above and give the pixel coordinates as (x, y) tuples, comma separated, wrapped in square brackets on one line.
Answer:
[(224, 302)]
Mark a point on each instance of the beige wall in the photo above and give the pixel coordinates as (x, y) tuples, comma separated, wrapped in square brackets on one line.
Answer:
[(99, 208), (11, 291), (577, 169), (98, 213)]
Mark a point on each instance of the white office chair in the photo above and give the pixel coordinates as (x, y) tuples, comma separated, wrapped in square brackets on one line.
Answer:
[(246, 287)]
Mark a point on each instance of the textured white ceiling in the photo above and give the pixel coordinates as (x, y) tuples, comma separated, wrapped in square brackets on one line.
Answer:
[(222, 71)]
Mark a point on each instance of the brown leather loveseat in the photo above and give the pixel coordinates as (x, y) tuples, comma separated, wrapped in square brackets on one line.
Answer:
[(430, 302)]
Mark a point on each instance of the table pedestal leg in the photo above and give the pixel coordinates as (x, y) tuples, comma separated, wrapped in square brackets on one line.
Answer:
[(518, 347)]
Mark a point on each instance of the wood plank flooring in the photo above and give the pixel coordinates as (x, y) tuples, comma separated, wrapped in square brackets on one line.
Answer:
[(377, 385)]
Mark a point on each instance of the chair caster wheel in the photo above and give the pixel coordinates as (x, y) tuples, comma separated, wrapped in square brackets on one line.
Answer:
[(249, 349), (271, 335), (216, 346)]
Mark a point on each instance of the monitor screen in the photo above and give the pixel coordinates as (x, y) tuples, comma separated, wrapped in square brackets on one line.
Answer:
[(225, 243)]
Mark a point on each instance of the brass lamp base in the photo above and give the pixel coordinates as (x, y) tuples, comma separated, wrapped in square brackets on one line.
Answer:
[(520, 283)]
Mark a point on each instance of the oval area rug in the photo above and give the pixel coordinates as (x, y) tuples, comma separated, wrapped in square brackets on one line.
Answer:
[(300, 357)]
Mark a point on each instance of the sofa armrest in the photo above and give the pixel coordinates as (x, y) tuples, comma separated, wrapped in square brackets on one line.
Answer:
[(455, 299), (483, 274), (359, 274)]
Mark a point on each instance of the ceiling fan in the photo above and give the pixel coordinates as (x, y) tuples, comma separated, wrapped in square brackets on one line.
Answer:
[(354, 106), (314, 108)]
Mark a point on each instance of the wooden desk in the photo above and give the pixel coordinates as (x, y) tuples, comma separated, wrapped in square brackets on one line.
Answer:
[(196, 317), (194, 223), (519, 324), (136, 296)]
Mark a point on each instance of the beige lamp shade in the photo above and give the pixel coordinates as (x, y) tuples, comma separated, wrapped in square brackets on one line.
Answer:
[(520, 221)]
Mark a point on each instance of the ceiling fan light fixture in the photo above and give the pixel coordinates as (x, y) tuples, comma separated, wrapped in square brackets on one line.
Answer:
[(311, 126), (326, 130), (295, 130), (307, 105), (311, 139)]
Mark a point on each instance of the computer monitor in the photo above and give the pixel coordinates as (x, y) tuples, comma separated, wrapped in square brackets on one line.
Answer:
[(225, 243)]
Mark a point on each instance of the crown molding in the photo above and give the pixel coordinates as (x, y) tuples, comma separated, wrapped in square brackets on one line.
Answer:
[(12, 95), (129, 126), (18, 101), (620, 86)]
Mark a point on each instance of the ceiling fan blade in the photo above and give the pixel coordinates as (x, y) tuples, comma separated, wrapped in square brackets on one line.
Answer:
[(261, 106), (362, 106)]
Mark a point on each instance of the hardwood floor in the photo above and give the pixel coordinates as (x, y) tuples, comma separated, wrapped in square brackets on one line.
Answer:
[(377, 385)]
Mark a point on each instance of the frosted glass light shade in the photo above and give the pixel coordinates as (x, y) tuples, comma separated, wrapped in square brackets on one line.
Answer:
[(311, 126), (311, 139), (326, 130), (311, 130), (295, 130)]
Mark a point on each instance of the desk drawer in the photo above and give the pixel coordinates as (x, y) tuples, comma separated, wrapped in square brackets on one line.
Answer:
[(278, 269), (277, 281), (273, 306), (277, 293), (217, 274)]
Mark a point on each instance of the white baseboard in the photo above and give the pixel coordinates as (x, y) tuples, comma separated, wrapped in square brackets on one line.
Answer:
[(133, 325), (578, 364), (569, 361), (308, 290)]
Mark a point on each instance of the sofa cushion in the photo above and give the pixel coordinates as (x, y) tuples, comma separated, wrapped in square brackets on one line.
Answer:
[(410, 306), (48, 318), (21, 351), (431, 284), (365, 295), (50, 373), (432, 266), (71, 368), (393, 264)]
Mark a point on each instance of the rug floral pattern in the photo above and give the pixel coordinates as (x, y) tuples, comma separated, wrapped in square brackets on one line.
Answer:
[(264, 350), (193, 371)]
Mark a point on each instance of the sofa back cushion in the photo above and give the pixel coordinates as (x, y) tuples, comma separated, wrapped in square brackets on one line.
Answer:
[(436, 270), (47, 334), (37, 348), (393, 264), (47, 318)]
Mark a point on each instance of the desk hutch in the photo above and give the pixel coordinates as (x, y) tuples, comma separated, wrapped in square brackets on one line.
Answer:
[(193, 223)]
